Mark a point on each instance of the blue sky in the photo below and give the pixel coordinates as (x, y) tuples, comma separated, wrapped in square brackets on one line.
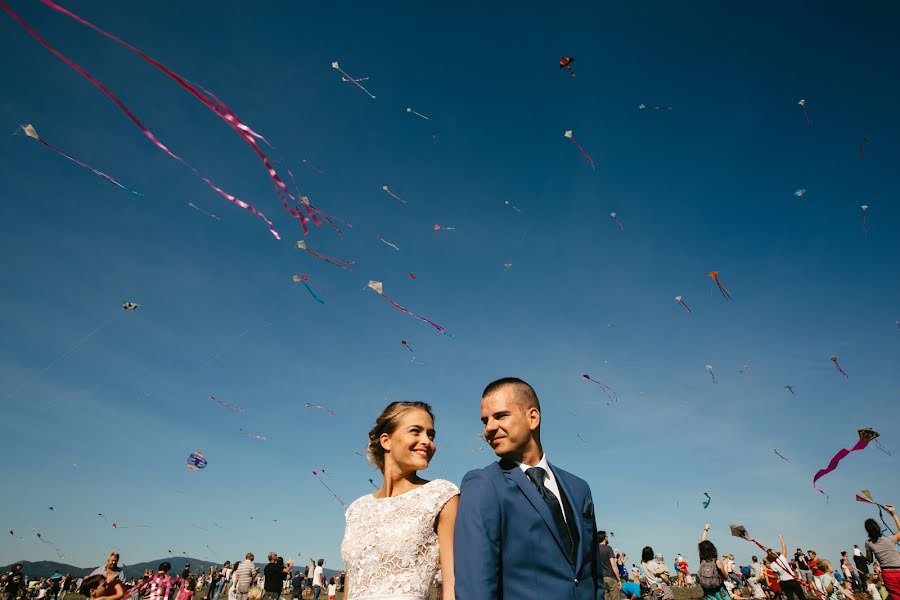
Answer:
[(706, 186)]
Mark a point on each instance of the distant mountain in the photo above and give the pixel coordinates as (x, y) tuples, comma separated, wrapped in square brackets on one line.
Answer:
[(45, 568)]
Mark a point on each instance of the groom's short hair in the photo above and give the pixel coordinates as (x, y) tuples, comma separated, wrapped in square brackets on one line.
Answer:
[(527, 396)]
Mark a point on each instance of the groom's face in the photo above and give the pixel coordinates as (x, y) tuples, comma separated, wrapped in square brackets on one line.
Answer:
[(508, 422)]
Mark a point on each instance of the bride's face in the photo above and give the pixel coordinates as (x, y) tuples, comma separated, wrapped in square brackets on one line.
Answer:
[(411, 446)]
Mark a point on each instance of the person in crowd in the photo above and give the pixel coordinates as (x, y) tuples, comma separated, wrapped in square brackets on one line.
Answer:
[(881, 550), (243, 577), (297, 585), (803, 571), (711, 573), (318, 578), (787, 579), (221, 580), (611, 582), (274, 575), (111, 569), (332, 589), (621, 561), (397, 537), (631, 590), (656, 574)]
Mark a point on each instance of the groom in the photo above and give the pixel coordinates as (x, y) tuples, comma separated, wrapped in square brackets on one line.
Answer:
[(525, 529)]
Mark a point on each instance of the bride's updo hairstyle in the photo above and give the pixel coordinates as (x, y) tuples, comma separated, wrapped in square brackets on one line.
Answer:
[(387, 422)]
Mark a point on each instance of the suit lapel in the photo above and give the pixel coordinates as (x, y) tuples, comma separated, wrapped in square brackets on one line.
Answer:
[(576, 514), (517, 476)]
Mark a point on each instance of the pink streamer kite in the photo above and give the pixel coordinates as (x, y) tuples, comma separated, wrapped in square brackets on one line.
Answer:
[(683, 304), (586, 156), (231, 407), (306, 163), (29, 130), (865, 436), (213, 103), (121, 105), (618, 222), (322, 408), (392, 194), (379, 289), (255, 436), (336, 65), (610, 393)]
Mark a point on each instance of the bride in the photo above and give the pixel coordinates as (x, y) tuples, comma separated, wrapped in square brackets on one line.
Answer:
[(396, 538)]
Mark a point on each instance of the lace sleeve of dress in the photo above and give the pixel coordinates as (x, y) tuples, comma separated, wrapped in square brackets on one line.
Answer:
[(443, 492)]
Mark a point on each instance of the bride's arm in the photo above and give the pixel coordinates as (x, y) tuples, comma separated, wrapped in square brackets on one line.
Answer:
[(445, 523)]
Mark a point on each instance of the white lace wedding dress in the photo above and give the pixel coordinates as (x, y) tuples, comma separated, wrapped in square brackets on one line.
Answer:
[(390, 547)]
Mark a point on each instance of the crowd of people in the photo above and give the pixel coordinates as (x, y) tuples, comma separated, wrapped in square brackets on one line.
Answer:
[(241, 580)]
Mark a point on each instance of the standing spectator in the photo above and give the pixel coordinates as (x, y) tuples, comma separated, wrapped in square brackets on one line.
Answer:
[(274, 575), (872, 587), (787, 580), (318, 579), (621, 558), (806, 575), (187, 588), (859, 559), (243, 577), (297, 585), (332, 589), (883, 549), (15, 582), (223, 577), (817, 571), (851, 573), (310, 571), (611, 580), (829, 582), (711, 572), (111, 569)]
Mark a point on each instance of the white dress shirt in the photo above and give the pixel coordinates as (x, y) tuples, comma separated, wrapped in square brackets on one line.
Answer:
[(549, 481)]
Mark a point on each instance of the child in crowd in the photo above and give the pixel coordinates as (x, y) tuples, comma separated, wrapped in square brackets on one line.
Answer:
[(332, 589)]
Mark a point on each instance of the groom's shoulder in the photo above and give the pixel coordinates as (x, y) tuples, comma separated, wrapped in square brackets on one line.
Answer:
[(483, 475)]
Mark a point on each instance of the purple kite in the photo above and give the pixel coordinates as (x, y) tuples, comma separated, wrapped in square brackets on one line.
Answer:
[(866, 435)]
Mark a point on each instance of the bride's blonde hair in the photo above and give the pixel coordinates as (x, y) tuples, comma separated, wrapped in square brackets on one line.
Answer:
[(387, 422)]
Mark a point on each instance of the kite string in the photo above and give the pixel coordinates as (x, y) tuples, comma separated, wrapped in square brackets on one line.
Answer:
[(131, 116), (88, 167)]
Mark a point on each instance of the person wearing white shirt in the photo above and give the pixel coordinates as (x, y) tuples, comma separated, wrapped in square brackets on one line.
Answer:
[(786, 577), (318, 579)]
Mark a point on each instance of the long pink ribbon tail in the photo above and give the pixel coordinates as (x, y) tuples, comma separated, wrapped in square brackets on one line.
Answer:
[(149, 134), (337, 262), (212, 102), (414, 315), (832, 465), (586, 156)]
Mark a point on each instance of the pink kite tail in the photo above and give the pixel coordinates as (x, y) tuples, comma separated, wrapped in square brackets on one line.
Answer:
[(214, 104), (839, 369), (586, 156), (832, 465), (149, 134), (414, 315), (89, 167)]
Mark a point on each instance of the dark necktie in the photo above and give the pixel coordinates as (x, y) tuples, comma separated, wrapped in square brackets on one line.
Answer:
[(536, 475)]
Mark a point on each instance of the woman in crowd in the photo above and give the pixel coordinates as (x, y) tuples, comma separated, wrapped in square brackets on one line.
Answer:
[(787, 579), (655, 572), (883, 549), (711, 572)]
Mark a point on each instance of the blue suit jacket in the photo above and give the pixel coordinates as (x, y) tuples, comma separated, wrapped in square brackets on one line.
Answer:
[(506, 544)]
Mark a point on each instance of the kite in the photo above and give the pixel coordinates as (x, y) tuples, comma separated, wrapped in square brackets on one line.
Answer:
[(254, 436), (712, 373), (29, 130), (800, 193), (406, 345), (618, 222), (205, 97), (507, 265), (862, 144), (587, 157), (837, 366), (438, 228), (708, 500), (196, 461), (129, 306), (412, 275), (229, 406), (866, 496), (683, 304), (392, 194), (565, 62), (643, 106), (336, 497), (862, 218), (335, 65), (512, 206), (746, 368), (378, 287), (306, 163), (724, 290), (101, 515), (370, 481), (320, 407), (200, 210), (337, 262), (741, 532), (314, 212), (610, 393), (790, 388), (418, 114), (394, 246), (780, 455), (866, 435), (117, 526), (802, 104), (49, 543), (304, 278)]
